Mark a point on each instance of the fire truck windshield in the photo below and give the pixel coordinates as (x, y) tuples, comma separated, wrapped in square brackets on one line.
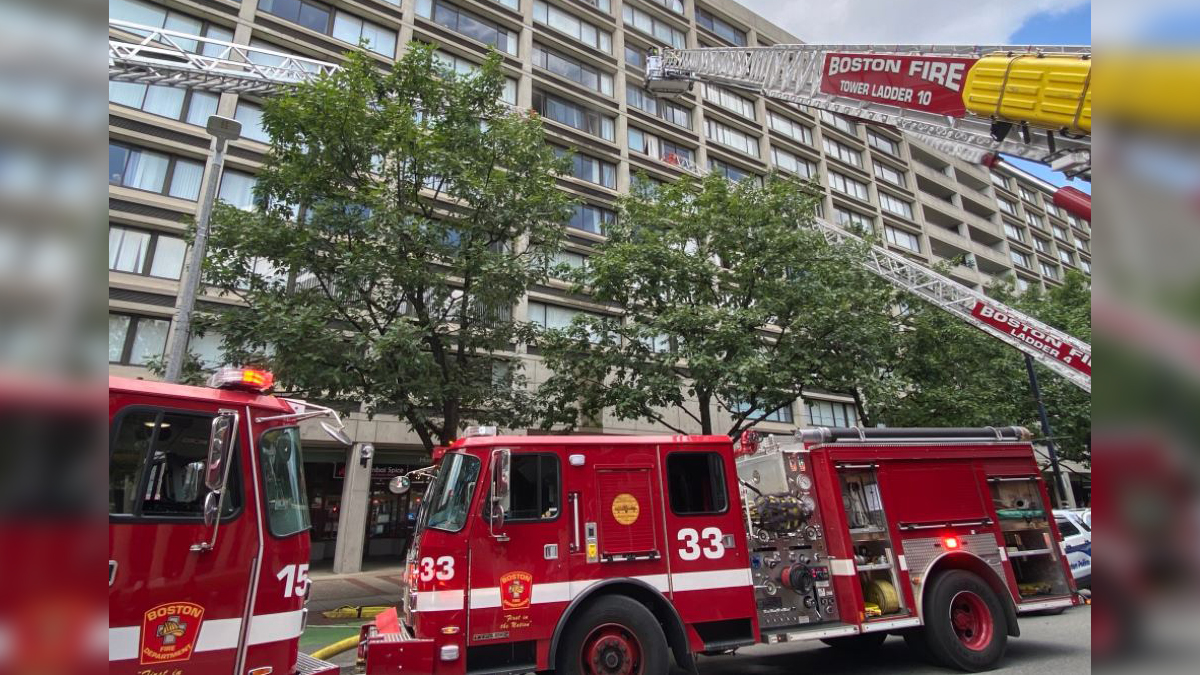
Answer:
[(450, 495), (283, 480)]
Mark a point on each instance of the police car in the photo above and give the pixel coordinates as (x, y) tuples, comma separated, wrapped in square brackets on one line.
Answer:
[(1075, 526)]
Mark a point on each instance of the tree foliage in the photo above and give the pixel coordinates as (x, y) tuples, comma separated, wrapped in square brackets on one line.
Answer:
[(401, 215), (729, 303), (951, 374)]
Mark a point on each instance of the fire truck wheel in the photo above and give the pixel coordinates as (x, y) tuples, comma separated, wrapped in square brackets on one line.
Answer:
[(965, 626), (614, 636), (856, 643)]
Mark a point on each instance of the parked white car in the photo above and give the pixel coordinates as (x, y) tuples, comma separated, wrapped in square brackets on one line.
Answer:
[(1075, 526)]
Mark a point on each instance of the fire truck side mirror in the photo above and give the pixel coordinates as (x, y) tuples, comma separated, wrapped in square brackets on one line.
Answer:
[(501, 472), (224, 428)]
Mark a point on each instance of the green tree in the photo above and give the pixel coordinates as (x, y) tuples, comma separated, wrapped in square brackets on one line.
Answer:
[(728, 301), (951, 374), (401, 214)]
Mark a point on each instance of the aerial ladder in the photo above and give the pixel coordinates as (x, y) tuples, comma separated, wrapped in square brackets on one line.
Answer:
[(171, 58)]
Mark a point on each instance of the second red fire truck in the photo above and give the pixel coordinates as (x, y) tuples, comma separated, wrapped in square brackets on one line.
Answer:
[(615, 555)]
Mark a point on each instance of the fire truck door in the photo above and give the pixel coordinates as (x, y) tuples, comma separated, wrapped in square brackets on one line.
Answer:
[(518, 578), (172, 609), (710, 576)]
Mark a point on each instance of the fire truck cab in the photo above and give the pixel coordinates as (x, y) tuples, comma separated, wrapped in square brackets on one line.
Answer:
[(608, 554), (208, 527)]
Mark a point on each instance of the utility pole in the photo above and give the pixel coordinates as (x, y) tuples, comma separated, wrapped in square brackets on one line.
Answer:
[(223, 130), (1060, 490)]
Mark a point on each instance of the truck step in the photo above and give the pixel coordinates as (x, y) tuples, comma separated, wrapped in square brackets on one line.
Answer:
[(307, 665)]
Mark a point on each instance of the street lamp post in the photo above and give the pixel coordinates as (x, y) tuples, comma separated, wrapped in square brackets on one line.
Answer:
[(222, 130)]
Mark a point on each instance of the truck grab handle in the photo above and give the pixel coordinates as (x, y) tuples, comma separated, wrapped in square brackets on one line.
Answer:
[(834, 434)]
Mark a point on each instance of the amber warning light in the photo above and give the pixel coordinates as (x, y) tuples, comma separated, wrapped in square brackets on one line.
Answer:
[(252, 379)]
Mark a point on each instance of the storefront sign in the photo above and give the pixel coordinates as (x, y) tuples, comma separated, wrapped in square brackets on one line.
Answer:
[(379, 472), (929, 83)]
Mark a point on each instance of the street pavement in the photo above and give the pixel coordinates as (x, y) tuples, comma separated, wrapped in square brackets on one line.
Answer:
[(1048, 644)]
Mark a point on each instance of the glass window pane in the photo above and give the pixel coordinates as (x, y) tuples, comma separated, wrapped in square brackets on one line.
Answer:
[(117, 156), (118, 329), (203, 104), (127, 249), (185, 181), (250, 116), (126, 93), (347, 28), (165, 101), (207, 349), (237, 189), (136, 11), (149, 340), (315, 17), (168, 257), (146, 171)]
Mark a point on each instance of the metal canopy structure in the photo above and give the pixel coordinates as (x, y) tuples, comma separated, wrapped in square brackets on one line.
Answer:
[(171, 58), (794, 73)]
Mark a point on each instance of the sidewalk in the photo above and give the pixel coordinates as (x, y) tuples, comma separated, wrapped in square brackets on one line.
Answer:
[(380, 587)]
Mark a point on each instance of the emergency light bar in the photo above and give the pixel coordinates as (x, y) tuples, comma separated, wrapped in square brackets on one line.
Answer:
[(252, 379)]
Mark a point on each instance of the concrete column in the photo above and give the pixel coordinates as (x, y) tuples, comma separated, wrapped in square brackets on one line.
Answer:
[(352, 516)]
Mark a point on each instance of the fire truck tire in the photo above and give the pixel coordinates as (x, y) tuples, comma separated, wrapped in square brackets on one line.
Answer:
[(857, 643), (613, 635), (965, 625)]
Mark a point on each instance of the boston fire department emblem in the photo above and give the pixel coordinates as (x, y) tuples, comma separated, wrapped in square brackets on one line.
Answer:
[(169, 632), (516, 588)]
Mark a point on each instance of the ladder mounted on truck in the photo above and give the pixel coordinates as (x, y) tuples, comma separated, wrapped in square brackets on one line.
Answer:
[(172, 58), (1031, 102)]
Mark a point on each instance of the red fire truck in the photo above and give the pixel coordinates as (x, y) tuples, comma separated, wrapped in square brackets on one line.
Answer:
[(606, 554), (208, 527)]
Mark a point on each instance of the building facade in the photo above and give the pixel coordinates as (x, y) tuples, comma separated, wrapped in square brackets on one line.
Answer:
[(581, 65)]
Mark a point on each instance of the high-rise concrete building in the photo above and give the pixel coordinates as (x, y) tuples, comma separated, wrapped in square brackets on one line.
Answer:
[(581, 65)]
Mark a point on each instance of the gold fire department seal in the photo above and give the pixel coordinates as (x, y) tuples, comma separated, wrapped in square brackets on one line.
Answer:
[(625, 508)]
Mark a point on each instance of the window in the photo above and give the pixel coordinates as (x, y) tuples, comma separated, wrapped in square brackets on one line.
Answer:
[(639, 98), (462, 66), (1077, 222), (671, 153), (730, 101), (1083, 245), (1015, 232), (1022, 284), (838, 122), (250, 115), (902, 238), (1049, 271), (783, 415), (1027, 194), (1060, 233), (1065, 256), (511, 4), (207, 349), (999, 181), (720, 28), (571, 259), (1085, 266), (283, 481), (1007, 206), (145, 253), (535, 491), (134, 340), (191, 106), (237, 189), (572, 69), (555, 317), (789, 162), (147, 14), (696, 483), (652, 26), (154, 171), (450, 494), (590, 218), (574, 115), (343, 26), (1066, 528), (853, 220), (831, 414), (731, 137), (311, 15), (1020, 259), (271, 60), (1042, 245), (466, 23), (843, 152), (889, 174), (883, 143), (1034, 220), (591, 169), (848, 186), (792, 129), (635, 56), (350, 28), (673, 5), (732, 172), (602, 5), (569, 24), (157, 466)]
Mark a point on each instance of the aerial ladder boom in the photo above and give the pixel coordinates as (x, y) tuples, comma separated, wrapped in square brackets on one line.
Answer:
[(1031, 102), (172, 58)]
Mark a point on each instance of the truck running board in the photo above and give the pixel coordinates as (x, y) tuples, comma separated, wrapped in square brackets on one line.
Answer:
[(818, 632), (307, 665)]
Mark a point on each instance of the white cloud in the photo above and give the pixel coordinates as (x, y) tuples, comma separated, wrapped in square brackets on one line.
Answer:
[(905, 21)]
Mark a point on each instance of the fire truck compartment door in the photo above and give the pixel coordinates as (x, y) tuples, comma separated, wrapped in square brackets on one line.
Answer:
[(628, 513)]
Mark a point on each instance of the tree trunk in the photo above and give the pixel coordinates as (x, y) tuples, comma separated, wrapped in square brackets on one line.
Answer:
[(863, 419), (705, 401)]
